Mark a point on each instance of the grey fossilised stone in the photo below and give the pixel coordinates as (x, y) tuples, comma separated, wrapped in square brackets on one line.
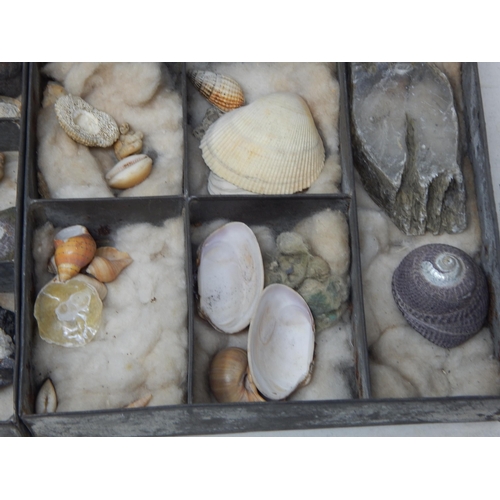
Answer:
[(406, 138)]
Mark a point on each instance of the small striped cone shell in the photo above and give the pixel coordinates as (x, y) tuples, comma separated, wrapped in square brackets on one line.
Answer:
[(75, 248), (220, 90), (270, 146)]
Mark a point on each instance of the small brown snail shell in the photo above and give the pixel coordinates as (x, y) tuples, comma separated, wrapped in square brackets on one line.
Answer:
[(108, 263), (75, 248), (229, 378)]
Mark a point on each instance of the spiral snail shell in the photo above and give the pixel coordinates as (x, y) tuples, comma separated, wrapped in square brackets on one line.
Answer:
[(229, 378), (442, 293)]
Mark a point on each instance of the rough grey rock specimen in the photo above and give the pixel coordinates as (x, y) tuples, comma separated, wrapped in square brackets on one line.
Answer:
[(406, 141)]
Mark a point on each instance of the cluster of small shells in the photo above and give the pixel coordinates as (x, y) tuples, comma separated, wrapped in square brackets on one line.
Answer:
[(94, 128), (232, 297), (270, 146), (68, 308)]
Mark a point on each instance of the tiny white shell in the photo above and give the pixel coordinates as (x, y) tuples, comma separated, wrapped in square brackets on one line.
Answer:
[(130, 171), (46, 400)]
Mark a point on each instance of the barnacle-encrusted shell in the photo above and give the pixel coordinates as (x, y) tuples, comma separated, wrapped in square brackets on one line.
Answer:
[(271, 146), (220, 90), (130, 171), (69, 313), (230, 277), (280, 342), (85, 124), (229, 378), (442, 293), (7, 233), (75, 248)]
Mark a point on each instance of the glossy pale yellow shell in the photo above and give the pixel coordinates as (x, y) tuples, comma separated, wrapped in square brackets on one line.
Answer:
[(69, 313), (108, 263), (75, 248), (130, 171), (270, 146), (220, 90), (85, 124), (229, 379)]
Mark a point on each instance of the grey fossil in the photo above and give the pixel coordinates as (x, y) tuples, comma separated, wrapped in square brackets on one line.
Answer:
[(406, 144)]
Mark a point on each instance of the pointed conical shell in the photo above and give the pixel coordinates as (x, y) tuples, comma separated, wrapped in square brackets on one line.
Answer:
[(75, 248), (85, 124), (108, 263), (220, 90), (271, 146)]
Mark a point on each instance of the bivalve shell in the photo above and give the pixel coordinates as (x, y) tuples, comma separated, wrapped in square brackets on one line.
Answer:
[(230, 277), (280, 342), (271, 146), (85, 124), (220, 90), (130, 171), (442, 293)]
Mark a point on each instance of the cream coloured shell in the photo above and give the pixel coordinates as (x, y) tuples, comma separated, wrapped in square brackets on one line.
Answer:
[(280, 342), (271, 146), (230, 277), (108, 263), (130, 171), (220, 90), (85, 124)]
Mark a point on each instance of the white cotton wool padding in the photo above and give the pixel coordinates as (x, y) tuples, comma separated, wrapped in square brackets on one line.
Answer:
[(140, 94), (389, 383), (141, 346), (327, 233), (316, 83)]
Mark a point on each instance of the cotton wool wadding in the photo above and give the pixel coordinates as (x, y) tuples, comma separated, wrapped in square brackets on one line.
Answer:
[(141, 346), (316, 83), (140, 94)]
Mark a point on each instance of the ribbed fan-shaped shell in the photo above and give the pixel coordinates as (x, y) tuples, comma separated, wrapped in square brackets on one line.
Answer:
[(271, 146), (85, 124), (220, 90)]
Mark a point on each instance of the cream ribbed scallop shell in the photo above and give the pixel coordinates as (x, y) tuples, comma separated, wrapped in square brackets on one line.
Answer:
[(271, 146)]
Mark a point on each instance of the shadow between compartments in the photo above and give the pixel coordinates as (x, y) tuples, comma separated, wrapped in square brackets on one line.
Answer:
[(13, 138)]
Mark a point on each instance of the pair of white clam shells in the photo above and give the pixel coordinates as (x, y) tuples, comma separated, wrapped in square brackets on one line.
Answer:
[(232, 296)]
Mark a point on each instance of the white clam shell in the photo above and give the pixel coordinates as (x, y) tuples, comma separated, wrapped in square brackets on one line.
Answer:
[(280, 342), (230, 277), (130, 171), (270, 146)]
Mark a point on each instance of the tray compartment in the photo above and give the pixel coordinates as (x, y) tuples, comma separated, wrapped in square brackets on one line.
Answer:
[(138, 343)]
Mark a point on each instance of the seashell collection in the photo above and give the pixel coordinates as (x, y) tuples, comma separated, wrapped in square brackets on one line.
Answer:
[(281, 326), (68, 309), (442, 293)]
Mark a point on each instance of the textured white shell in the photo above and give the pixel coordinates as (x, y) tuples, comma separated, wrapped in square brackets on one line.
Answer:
[(280, 342), (217, 185), (270, 146), (85, 124), (230, 277)]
